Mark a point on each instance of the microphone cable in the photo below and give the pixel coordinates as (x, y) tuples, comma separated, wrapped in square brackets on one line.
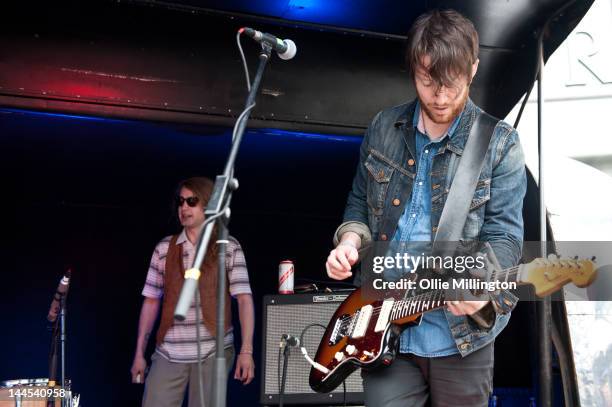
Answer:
[(244, 64)]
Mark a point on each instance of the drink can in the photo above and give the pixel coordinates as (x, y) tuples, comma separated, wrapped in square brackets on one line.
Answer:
[(285, 277)]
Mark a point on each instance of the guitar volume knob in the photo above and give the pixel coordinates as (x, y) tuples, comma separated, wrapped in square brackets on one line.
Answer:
[(339, 356), (351, 350)]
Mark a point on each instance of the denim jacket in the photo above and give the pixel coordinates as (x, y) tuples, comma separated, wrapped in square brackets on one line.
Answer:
[(383, 184)]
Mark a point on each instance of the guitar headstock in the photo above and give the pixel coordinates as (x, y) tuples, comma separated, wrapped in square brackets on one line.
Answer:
[(549, 275)]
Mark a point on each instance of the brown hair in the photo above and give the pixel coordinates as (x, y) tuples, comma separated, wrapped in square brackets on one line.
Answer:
[(451, 42), (200, 186)]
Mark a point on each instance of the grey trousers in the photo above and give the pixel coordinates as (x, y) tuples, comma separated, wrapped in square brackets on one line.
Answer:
[(451, 381), (165, 384)]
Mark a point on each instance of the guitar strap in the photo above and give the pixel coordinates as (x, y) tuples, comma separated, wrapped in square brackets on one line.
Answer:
[(457, 206)]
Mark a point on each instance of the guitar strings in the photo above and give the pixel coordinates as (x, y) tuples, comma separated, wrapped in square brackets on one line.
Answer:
[(400, 304), (407, 303)]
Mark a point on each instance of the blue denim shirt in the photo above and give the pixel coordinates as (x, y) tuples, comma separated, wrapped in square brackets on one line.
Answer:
[(383, 186), (432, 338)]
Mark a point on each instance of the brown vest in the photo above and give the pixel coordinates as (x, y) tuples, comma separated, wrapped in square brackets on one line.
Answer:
[(173, 282)]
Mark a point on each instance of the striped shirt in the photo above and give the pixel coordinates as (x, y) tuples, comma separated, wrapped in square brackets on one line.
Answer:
[(180, 343)]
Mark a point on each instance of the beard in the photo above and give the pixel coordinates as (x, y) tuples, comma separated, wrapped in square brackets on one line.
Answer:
[(456, 106)]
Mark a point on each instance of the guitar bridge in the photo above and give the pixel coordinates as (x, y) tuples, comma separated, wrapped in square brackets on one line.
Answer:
[(334, 338)]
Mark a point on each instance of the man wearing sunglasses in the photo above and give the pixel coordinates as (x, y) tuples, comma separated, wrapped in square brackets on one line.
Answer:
[(174, 362)]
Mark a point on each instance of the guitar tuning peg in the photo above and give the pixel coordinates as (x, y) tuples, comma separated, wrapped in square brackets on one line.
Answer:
[(594, 258), (558, 255), (575, 257)]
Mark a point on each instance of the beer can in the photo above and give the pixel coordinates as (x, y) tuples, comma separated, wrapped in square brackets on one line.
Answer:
[(285, 277)]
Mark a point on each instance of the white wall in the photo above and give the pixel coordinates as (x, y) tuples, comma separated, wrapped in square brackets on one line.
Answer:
[(577, 126), (578, 95)]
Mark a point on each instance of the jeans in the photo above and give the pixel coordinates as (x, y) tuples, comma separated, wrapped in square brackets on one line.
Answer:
[(449, 381)]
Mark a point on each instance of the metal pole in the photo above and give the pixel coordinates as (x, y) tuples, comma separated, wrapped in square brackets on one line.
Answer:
[(63, 345), (220, 383), (543, 307)]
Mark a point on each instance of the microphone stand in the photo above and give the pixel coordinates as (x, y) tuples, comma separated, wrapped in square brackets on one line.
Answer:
[(62, 321), (53, 361), (59, 332), (218, 207)]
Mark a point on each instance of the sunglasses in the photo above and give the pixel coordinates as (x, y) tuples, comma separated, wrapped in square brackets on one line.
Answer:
[(192, 201)]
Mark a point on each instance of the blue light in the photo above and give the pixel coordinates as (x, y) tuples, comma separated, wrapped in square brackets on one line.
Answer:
[(145, 130), (60, 115), (317, 11), (307, 136)]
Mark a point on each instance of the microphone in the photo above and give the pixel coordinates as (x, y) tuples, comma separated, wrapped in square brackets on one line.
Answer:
[(62, 290), (290, 340), (285, 49)]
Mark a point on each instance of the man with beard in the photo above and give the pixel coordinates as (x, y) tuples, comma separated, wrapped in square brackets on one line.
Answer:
[(175, 361), (408, 159)]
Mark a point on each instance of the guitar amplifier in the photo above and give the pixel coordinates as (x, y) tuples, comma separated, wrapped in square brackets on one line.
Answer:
[(290, 314)]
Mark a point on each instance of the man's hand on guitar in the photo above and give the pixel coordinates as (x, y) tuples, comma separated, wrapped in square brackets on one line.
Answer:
[(459, 308), (343, 257)]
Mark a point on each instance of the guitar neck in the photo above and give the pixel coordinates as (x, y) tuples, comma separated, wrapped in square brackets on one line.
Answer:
[(511, 274), (430, 300), (417, 305)]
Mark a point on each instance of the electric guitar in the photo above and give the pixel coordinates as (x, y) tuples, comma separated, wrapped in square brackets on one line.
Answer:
[(364, 333)]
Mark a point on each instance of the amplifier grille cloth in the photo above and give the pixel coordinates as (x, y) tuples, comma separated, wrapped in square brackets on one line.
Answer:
[(291, 319)]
